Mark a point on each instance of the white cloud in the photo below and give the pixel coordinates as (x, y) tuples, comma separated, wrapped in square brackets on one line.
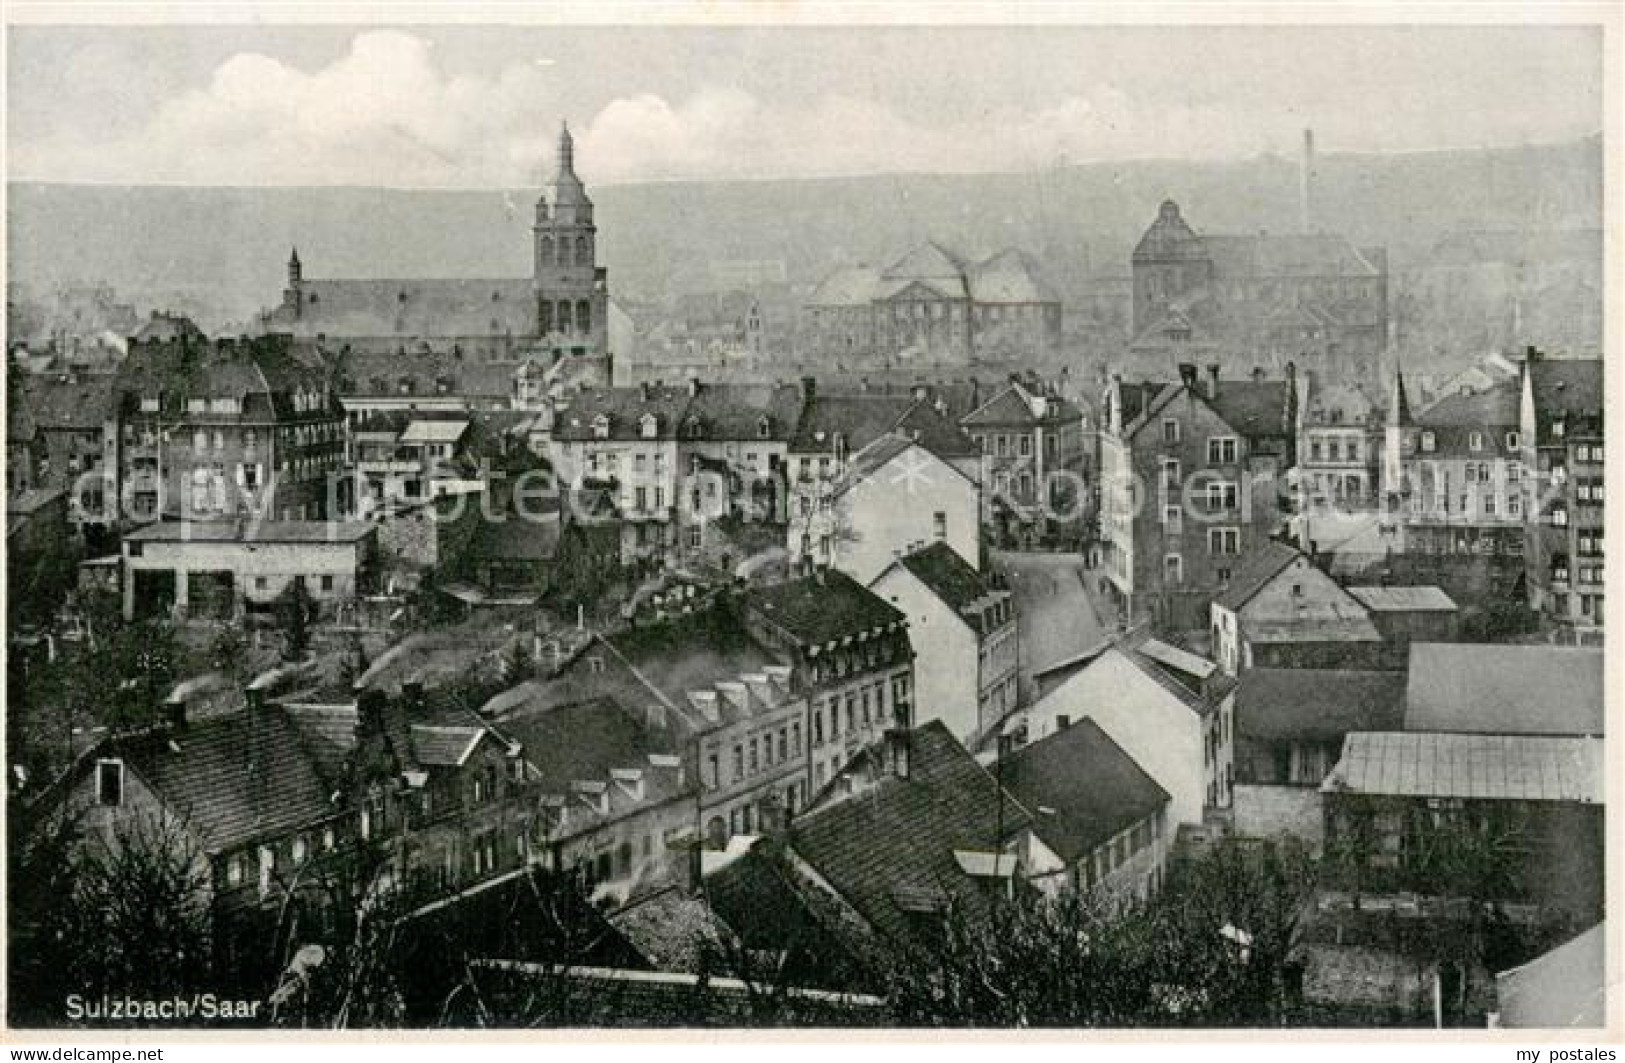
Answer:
[(388, 112)]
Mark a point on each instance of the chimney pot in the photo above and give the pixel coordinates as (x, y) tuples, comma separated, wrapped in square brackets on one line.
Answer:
[(1213, 380)]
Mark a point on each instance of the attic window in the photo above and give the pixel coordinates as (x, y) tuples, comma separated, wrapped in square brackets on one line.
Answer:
[(764, 428), (314, 298), (110, 783), (400, 297)]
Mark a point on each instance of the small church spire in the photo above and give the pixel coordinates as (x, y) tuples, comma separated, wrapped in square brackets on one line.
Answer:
[(295, 270), (1400, 414), (567, 150)]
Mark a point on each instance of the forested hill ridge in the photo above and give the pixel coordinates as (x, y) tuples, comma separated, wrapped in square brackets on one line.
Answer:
[(221, 251)]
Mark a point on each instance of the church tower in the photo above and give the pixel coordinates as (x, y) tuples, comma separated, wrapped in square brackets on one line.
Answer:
[(572, 291), (293, 296)]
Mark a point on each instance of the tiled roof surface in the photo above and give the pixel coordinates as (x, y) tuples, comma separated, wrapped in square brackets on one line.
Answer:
[(693, 652), (936, 432), (672, 929), (418, 373), (234, 778), (820, 608), (1484, 767), (861, 419), (1493, 689), (1317, 703), (1493, 408), (1570, 388), (1254, 408), (442, 747), (735, 411), (625, 408), (83, 405), (1081, 788), (581, 740), (892, 845)]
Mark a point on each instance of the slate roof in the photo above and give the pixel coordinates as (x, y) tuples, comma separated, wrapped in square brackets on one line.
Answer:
[(1254, 408), (1487, 410), (1009, 277), (84, 405), (1081, 788), (821, 608), (234, 778), (936, 432), (860, 418), (411, 307), (366, 374), (950, 577), (889, 851), (1568, 388), (694, 652), (625, 407), (1505, 689), (735, 411), (1317, 704), (1482, 767), (261, 373), (1255, 571), (672, 929), (584, 739)]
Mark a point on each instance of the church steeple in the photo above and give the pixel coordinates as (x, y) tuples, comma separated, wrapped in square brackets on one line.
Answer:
[(567, 151), (295, 270)]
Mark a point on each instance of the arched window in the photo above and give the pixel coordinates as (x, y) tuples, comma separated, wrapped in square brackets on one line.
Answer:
[(564, 316), (583, 252), (564, 251), (545, 250), (545, 322), (584, 316)]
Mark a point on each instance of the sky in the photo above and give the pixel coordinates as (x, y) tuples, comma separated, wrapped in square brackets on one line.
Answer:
[(480, 106)]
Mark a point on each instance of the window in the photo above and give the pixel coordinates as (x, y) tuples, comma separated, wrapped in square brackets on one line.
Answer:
[(1170, 472), (1512, 441), (110, 783), (1475, 441), (754, 763), (300, 849), (1170, 430), (1221, 450), (695, 534), (327, 582), (1428, 442), (1224, 542), (739, 762), (1560, 516), (1221, 495), (939, 523), (1172, 520), (234, 871), (1173, 570)]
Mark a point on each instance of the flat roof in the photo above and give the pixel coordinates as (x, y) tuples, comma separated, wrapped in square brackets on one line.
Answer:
[(251, 531), (1492, 767)]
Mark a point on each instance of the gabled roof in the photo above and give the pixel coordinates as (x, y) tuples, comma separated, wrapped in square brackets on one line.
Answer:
[(233, 778), (623, 410), (1505, 689), (1255, 571), (950, 577), (1009, 277), (1482, 767), (434, 746), (1566, 987), (1288, 255), (1169, 237), (860, 419), (584, 739), (936, 432), (1317, 704), (823, 607), (849, 286), (1254, 407), (737, 411), (889, 852), (1081, 788), (1492, 408)]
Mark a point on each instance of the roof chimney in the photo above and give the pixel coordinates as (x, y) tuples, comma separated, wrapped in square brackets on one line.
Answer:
[(897, 752), (809, 388), (1306, 183), (1213, 380), (1187, 374)]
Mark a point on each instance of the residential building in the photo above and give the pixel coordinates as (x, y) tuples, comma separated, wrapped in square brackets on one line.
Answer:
[(1281, 611), (1033, 444), (1290, 727), (560, 312), (1099, 823), (1191, 475), (850, 650), (1309, 295), (77, 442), (1560, 429), (1170, 710), (962, 626), (733, 448), (228, 429), (933, 304), (1453, 474), (614, 798), (1339, 439), (893, 497), (398, 462), (929, 835), (219, 566)]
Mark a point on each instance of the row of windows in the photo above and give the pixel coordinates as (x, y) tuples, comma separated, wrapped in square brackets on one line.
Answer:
[(1475, 441), (558, 253), (1109, 856), (759, 753), (1334, 450)]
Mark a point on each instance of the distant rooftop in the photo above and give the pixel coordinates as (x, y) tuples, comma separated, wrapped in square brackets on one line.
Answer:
[(1498, 689), (1482, 767)]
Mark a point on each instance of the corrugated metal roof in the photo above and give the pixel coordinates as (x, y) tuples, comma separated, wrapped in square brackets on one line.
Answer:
[(1484, 767)]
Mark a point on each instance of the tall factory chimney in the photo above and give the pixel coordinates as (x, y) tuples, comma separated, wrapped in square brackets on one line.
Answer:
[(1306, 183)]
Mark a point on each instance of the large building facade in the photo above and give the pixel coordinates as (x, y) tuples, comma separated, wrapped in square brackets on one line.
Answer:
[(1560, 418), (935, 305), (1313, 297), (560, 311)]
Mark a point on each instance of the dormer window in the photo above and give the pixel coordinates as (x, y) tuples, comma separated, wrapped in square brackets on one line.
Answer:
[(149, 405), (695, 428), (649, 425), (600, 426), (1428, 442), (1512, 441), (1475, 441), (764, 428)]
